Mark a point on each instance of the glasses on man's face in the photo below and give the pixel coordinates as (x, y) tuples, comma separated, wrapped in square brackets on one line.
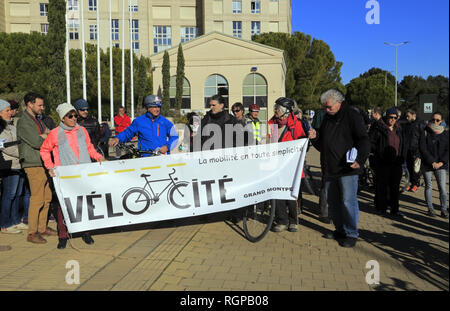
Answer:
[(84, 109), (236, 111), (436, 120), (393, 117), (71, 116)]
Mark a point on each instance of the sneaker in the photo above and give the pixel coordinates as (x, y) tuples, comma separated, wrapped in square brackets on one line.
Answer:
[(11, 230), (292, 228), (87, 238), (335, 235), (325, 220), (431, 213), (49, 232), (414, 188), (444, 214), (62, 243), (348, 242), (408, 188), (398, 214), (21, 226), (36, 238), (279, 228)]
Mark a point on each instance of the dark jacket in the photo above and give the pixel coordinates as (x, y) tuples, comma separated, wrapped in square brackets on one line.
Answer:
[(412, 132), (93, 128), (337, 135), (433, 148), (379, 141), (221, 119)]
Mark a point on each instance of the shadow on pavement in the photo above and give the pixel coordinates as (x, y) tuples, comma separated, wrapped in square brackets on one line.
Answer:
[(428, 261)]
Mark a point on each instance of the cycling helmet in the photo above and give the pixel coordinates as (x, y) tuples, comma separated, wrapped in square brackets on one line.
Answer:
[(287, 103), (151, 101), (254, 107)]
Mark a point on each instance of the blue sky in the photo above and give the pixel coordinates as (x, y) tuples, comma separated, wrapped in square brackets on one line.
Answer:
[(360, 46)]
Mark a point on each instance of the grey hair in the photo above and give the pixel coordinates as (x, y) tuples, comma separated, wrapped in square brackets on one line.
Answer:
[(332, 94)]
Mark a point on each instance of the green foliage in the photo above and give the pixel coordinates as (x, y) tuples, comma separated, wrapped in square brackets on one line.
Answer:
[(311, 66), (375, 87), (56, 40), (166, 84), (412, 87), (179, 79)]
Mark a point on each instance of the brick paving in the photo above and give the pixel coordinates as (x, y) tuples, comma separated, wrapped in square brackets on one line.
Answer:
[(208, 253)]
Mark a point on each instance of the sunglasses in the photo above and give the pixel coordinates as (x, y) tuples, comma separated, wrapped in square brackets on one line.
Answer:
[(393, 117), (84, 109), (436, 120), (236, 111), (72, 116)]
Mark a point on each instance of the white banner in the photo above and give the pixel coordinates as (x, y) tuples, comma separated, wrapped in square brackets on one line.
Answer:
[(125, 192)]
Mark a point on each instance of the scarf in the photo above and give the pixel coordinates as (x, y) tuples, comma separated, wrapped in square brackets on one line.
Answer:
[(66, 154), (438, 129)]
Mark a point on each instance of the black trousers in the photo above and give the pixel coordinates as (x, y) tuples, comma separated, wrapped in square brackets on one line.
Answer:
[(387, 188), (414, 178), (286, 212)]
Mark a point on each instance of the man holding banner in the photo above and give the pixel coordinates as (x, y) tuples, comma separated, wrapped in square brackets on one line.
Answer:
[(341, 132), (154, 131)]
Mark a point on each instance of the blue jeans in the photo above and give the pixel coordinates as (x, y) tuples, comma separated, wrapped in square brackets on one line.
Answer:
[(441, 176), (12, 189), (25, 198), (343, 204)]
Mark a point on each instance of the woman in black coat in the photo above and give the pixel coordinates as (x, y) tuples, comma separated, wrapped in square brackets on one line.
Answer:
[(434, 152)]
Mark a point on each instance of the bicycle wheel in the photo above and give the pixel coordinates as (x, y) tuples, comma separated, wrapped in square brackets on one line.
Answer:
[(133, 202), (258, 219), (404, 182)]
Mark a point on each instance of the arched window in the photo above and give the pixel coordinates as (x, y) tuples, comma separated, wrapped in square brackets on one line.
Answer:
[(186, 98), (216, 84), (254, 90)]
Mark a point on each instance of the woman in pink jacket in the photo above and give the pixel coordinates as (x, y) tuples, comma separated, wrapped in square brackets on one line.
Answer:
[(69, 144)]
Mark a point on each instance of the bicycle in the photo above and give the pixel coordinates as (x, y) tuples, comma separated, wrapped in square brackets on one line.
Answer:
[(258, 219), (134, 195)]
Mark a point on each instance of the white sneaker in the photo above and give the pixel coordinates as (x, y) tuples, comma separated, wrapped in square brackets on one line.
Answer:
[(21, 226), (11, 230)]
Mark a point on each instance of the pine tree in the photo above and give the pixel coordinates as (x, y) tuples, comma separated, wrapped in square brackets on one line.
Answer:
[(166, 84), (56, 40), (180, 80)]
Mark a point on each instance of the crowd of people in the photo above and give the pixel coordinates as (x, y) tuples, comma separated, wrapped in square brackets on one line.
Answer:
[(32, 146)]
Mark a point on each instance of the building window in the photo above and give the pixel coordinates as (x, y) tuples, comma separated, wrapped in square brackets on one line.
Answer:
[(237, 6), (162, 38), (73, 29), (116, 45), (188, 33), (73, 5), (115, 29), (256, 28), (255, 7), (133, 6), (254, 90), (93, 32), (216, 84), (185, 98), (92, 5), (135, 34), (44, 9), (44, 29), (237, 29)]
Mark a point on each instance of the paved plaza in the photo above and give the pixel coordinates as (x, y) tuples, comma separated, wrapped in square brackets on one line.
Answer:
[(209, 253)]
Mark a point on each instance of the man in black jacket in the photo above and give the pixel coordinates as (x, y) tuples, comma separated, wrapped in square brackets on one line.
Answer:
[(412, 132), (342, 129), (88, 122), (217, 127)]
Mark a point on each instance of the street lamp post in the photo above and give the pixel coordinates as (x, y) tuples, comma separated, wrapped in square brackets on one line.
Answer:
[(396, 56)]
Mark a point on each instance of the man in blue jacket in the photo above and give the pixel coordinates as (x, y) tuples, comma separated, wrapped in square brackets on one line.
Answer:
[(153, 130)]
